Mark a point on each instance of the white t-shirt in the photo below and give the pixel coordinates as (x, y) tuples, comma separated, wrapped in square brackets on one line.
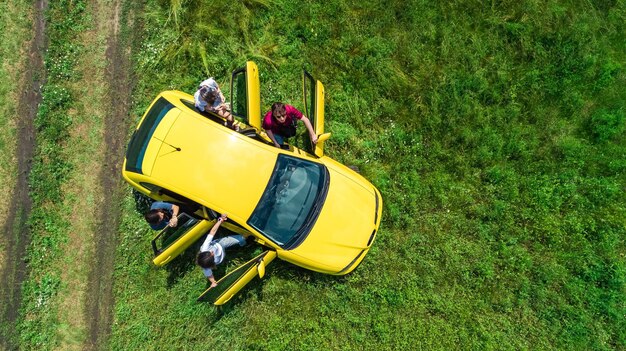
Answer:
[(200, 103), (216, 249)]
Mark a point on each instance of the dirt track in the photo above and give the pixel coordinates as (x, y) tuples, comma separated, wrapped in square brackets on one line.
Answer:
[(100, 302), (16, 232)]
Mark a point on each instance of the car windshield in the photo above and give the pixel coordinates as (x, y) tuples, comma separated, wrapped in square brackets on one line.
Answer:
[(291, 201)]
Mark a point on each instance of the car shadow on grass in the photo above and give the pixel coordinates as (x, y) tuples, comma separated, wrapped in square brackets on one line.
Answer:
[(278, 269), (181, 265), (235, 257)]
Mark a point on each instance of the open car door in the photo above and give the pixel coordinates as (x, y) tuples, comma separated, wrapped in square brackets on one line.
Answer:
[(234, 281), (313, 91), (171, 242), (245, 95)]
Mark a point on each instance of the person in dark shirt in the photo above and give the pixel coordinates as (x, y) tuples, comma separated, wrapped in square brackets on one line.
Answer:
[(162, 214)]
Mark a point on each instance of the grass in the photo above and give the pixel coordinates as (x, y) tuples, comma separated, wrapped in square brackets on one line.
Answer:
[(15, 23), (82, 191), (495, 133), (47, 284)]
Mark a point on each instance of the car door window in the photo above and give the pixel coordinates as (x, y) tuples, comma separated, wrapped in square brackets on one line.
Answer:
[(309, 96), (239, 102), (245, 98), (313, 92), (172, 241)]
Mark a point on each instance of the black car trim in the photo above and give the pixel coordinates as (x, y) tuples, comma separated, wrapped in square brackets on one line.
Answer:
[(369, 242), (376, 210), (352, 262)]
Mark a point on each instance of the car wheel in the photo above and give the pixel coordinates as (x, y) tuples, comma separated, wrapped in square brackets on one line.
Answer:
[(142, 202)]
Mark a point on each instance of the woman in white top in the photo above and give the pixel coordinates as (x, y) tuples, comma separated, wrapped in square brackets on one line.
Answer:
[(209, 97)]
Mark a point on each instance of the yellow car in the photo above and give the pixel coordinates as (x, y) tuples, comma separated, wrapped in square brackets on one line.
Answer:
[(300, 205)]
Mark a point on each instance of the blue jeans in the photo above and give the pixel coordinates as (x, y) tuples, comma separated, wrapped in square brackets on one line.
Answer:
[(231, 240), (279, 139)]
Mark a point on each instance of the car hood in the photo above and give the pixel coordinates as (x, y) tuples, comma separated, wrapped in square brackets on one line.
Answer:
[(345, 225)]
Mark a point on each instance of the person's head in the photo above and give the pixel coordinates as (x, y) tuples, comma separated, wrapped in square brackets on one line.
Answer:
[(279, 113), (206, 259), (209, 95), (154, 216)]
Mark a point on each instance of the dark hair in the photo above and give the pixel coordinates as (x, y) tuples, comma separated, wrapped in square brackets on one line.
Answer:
[(207, 94), (206, 259), (153, 217), (278, 108)]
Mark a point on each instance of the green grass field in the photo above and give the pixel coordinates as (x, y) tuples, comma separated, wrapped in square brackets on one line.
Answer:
[(495, 132)]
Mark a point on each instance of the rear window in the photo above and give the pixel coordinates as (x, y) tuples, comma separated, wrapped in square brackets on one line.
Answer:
[(139, 141)]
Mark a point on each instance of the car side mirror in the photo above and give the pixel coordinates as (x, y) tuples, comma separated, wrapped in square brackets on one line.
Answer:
[(323, 137), (261, 269), (318, 150)]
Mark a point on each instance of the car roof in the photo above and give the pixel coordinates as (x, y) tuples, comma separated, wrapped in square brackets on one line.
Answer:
[(215, 166)]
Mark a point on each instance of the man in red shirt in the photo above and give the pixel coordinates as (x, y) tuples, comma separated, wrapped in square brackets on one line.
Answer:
[(280, 123)]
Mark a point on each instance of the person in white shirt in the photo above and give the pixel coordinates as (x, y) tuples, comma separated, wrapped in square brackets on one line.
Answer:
[(209, 97), (212, 252)]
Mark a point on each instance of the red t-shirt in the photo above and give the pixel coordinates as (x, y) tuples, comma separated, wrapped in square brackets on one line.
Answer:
[(270, 124)]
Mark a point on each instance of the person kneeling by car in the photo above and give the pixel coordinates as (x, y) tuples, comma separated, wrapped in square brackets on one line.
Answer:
[(212, 252)]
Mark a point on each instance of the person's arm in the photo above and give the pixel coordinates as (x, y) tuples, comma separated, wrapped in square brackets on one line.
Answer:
[(216, 87), (309, 127), (174, 220), (271, 135), (211, 279), (267, 126), (217, 225), (198, 102), (223, 112), (212, 232), (207, 241), (208, 273)]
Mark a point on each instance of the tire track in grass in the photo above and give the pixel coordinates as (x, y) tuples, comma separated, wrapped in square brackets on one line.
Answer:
[(16, 232), (100, 302)]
